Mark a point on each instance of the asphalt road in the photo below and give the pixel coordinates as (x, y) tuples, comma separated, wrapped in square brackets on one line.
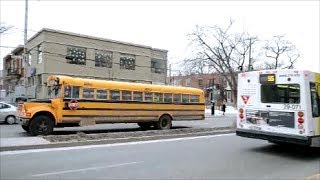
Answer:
[(215, 157), (9, 131)]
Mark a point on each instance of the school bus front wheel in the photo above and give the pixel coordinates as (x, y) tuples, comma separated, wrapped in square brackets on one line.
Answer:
[(26, 128), (41, 125)]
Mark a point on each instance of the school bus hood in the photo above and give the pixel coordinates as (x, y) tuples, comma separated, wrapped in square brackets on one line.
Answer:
[(31, 107)]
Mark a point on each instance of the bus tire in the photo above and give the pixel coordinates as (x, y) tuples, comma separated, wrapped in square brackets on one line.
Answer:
[(145, 125), (165, 122), (41, 125), (26, 128)]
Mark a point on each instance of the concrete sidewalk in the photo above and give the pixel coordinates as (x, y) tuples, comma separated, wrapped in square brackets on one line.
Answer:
[(22, 141)]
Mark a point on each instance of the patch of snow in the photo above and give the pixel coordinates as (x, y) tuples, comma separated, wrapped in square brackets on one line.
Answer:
[(229, 110)]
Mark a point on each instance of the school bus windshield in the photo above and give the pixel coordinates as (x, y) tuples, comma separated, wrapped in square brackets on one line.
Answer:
[(54, 91)]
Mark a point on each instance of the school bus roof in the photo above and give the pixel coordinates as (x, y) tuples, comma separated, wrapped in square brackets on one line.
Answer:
[(118, 85)]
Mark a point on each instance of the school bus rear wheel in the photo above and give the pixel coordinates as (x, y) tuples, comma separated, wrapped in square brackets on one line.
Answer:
[(41, 125), (164, 122)]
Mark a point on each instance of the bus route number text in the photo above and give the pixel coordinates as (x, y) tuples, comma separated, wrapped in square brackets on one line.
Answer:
[(292, 106)]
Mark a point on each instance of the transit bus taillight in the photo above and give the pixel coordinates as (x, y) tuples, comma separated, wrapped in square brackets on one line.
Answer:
[(300, 119), (241, 113)]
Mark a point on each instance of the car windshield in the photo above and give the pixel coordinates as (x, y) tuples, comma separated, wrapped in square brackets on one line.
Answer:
[(54, 91)]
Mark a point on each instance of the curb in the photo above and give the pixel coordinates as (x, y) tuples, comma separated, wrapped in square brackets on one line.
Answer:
[(113, 141)]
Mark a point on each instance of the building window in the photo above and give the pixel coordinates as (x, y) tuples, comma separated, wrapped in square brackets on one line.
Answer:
[(31, 81), (157, 66), (29, 58), (127, 61), (188, 82), (39, 80), (103, 59), (76, 55), (177, 82), (200, 82), (39, 56), (211, 82)]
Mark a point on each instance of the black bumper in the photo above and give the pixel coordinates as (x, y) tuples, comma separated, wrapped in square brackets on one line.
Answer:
[(275, 137), (24, 121)]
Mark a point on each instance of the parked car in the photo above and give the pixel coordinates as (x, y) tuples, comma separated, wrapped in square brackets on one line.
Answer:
[(8, 113)]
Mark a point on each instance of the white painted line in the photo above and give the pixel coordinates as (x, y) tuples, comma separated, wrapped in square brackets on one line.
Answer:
[(86, 169), (108, 145)]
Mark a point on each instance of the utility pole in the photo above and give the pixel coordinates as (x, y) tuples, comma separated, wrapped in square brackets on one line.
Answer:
[(169, 74), (25, 51)]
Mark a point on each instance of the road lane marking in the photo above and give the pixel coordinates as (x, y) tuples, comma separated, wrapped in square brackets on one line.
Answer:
[(108, 145), (86, 169)]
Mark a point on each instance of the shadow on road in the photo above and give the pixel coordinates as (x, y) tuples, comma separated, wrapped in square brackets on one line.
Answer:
[(97, 131), (290, 151)]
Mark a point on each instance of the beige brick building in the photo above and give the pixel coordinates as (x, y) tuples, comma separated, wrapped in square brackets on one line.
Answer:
[(64, 53)]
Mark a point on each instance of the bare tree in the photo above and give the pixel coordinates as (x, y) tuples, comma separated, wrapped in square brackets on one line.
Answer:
[(223, 51), (195, 66), (283, 53), (4, 28)]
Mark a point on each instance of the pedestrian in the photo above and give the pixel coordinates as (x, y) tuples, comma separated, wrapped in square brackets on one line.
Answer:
[(223, 108)]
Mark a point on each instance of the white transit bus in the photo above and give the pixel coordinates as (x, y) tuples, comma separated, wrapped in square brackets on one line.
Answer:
[(281, 106)]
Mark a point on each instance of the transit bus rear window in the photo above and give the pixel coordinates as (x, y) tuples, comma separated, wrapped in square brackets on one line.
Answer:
[(280, 93)]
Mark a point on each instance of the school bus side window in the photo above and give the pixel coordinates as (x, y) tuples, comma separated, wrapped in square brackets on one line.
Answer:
[(194, 98), (87, 93), (137, 96), (71, 91), (102, 94), (75, 92), (168, 98), (148, 96), (177, 98), (158, 97), (185, 98), (126, 95), (115, 95)]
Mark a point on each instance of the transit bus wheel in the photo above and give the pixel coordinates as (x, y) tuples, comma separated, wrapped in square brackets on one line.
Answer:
[(41, 125), (164, 122), (26, 128)]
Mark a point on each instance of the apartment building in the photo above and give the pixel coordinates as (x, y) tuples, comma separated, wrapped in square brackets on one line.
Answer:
[(65, 53), (12, 75)]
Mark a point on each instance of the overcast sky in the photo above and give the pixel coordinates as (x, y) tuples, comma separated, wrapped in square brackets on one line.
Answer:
[(165, 24)]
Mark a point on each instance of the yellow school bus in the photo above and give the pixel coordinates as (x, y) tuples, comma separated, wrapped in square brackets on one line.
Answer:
[(80, 102)]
